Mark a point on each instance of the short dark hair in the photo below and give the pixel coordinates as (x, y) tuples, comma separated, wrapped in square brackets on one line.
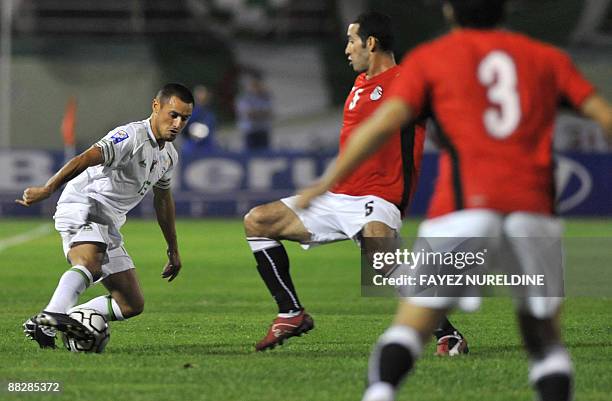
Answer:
[(174, 89), (478, 13), (378, 26)]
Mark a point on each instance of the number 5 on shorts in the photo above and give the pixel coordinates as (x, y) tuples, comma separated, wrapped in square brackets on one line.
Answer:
[(369, 208)]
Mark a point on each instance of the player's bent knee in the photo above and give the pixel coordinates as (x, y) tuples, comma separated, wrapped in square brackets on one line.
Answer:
[(94, 267), (132, 309), (257, 223), (84, 256), (378, 229), (250, 228), (252, 224)]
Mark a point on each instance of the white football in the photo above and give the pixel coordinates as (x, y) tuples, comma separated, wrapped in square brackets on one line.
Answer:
[(96, 322)]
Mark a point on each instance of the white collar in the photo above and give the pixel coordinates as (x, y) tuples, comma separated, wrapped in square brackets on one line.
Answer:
[(150, 132)]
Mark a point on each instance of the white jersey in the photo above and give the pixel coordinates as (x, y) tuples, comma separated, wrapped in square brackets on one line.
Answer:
[(133, 163)]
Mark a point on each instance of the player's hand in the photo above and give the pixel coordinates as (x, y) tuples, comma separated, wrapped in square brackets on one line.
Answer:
[(172, 268), (33, 195), (306, 195)]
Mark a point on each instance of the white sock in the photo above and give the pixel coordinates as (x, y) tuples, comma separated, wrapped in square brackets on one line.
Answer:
[(289, 314), (379, 392), (106, 305), (261, 243), (555, 361), (72, 283)]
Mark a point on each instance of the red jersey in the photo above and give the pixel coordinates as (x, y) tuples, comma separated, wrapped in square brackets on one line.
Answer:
[(494, 95), (392, 171)]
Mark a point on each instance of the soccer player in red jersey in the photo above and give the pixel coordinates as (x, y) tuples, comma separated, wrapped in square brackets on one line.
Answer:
[(368, 203), (494, 95)]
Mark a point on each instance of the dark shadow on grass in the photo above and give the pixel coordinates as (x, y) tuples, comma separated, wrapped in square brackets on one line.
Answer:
[(185, 349), (325, 349), (493, 350), (295, 350)]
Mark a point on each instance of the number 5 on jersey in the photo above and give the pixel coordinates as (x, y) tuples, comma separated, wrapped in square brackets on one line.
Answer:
[(356, 98)]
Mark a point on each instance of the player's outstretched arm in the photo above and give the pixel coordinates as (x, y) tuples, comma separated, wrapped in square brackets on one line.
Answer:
[(91, 157), (597, 108), (368, 137), (166, 217)]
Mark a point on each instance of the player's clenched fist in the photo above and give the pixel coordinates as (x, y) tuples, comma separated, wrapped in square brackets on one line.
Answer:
[(33, 195)]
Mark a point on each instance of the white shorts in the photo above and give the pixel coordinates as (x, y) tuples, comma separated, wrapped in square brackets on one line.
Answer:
[(336, 217), (73, 225), (474, 223)]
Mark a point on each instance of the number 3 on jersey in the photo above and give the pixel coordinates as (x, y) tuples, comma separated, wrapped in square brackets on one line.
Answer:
[(497, 72)]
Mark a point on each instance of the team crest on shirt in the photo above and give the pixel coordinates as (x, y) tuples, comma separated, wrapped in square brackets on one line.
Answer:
[(376, 93), (119, 136)]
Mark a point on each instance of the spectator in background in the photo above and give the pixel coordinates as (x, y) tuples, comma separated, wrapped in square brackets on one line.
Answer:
[(254, 113), (199, 134)]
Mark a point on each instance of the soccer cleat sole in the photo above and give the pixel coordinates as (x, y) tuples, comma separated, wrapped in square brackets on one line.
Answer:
[(34, 332), (65, 324)]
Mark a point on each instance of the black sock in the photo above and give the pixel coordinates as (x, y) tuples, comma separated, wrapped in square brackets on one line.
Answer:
[(394, 363), (445, 328), (273, 267), (394, 356), (554, 387)]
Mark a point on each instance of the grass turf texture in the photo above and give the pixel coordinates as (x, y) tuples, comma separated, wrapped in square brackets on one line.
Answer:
[(195, 339)]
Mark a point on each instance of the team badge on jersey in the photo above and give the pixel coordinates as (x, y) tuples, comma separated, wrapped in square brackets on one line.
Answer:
[(119, 136), (376, 93)]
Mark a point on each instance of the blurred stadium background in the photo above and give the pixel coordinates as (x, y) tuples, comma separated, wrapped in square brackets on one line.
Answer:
[(111, 56), (195, 339)]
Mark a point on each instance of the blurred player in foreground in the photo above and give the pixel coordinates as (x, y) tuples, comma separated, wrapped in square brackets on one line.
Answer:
[(103, 184), (494, 94), (368, 203)]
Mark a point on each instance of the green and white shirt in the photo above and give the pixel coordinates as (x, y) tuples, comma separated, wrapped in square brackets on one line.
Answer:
[(133, 163)]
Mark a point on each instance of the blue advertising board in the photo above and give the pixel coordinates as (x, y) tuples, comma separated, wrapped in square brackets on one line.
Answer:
[(229, 184)]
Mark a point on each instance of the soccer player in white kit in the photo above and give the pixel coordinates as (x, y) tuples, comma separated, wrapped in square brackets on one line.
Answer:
[(103, 184)]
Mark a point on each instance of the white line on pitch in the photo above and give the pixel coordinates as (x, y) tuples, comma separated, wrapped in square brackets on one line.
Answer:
[(27, 236)]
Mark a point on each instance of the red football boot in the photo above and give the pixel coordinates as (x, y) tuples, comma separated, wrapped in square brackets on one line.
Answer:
[(283, 328), (452, 345)]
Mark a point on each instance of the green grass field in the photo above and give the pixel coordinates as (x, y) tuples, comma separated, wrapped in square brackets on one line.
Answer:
[(195, 339)]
